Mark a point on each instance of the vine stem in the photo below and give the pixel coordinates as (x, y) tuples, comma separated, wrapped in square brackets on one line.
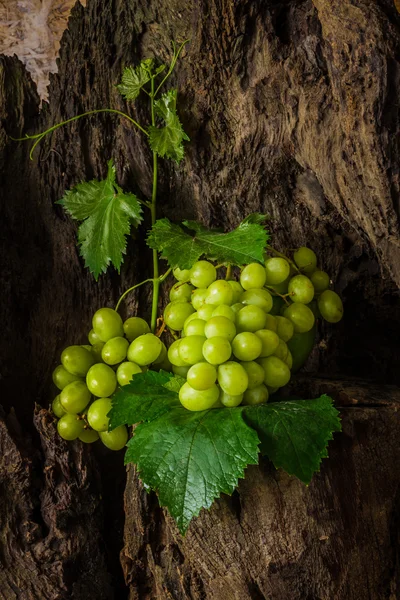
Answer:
[(153, 210), (160, 280)]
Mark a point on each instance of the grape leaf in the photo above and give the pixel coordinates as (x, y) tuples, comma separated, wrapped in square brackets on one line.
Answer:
[(189, 458), (181, 248), (167, 140), (134, 78), (148, 396), (107, 214), (295, 434)]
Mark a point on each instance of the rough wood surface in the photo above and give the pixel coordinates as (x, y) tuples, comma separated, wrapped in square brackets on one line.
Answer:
[(292, 109)]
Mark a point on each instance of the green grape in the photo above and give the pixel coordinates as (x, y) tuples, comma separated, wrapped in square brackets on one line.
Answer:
[(277, 373), (205, 312), (255, 396), (176, 313), (77, 360), (57, 407), (61, 377), (181, 274), (236, 307), (97, 414), (224, 311), (75, 397), (181, 371), (163, 355), (253, 276), (217, 350), (202, 376), (134, 327), (220, 327), (198, 399), (126, 371), (330, 306), (320, 281), (101, 380), (271, 323), (269, 341), (246, 346), (181, 292), (237, 290), (97, 350), (145, 349), (70, 427), (277, 270), (289, 359), (198, 298), (174, 356), (107, 324), (258, 297), (114, 351), (301, 316), (300, 346), (281, 351), (228, 400), (219, 292), (87, 347), (277, 304), (93, 337), (88, 436), (202, 274), (255, 373), (281, 288), (190, 349), (305, 259), (232, 378), (301, 289), (285, 328), (194, 315), (116, 439), (250, 318), (194, 327)]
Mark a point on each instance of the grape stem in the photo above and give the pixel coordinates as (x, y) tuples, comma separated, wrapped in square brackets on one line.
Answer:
[(153, 207), (151, 279), (228, 272), (275, 293)]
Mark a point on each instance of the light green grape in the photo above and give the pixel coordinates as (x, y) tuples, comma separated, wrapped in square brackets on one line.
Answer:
[(258, 297), (277, 373), (77, 360), (205, 312), (301, 316), (202, 274), (97, 350), (202, 376), (285, 328), (330, 306), (230, 401), (271, 323), (198, 298), (57, 407), (250, 318), (194, 327), (224, 311), (181, 292), (176, 313), (88, 436), (87, 347), (320, 281), (237, 290), (145, 349), (163, 355), (97, 414), (301, 289), (253, 276), (70, 427), (289, 359), (305, 259), (93, 337), (219, 292), (116, 439), (194, 315), (236, 307), (101, 380), (269, 341), (181, 274), (281, 351), (232, 378), (277, 270), (114, 351), (255, 373), (107, 324), (174, 356), (61, 377), (126, 371), (196, 400), (190, 349), (75, 397), (257, 395), (217, 350), (220, 327), (181, 371), (134, 327), (247, 346)]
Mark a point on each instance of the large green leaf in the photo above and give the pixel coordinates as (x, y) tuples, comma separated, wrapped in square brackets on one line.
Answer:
[(134, 78)]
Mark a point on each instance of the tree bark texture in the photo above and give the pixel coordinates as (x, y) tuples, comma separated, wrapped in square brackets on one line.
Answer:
[(292, 109)]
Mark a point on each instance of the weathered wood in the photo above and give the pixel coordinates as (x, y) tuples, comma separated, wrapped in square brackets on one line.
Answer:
[(292, 109)]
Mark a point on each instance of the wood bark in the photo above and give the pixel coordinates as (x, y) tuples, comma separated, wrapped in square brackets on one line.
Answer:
[(292, 109)]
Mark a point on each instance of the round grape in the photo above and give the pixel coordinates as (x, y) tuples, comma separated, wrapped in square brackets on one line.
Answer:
[(96, 352), (107, 324), (97, 414), (198, 298), (301, 316), (224, 311), (202, 274), (116, 439), (285, 329), (271, 323), (93, 337), (247, 346), (61, 377), (277, 270), (126, 371), (174, 356), (255, 373), (330, 306), (230, 401), (181, 292), (181, 274), (176, 313), (202, 376), (70, 427), (88, 436), (75, 397), (320, 281), (134, 327), (217, 350), (232, 378), (219, 292), (289, 359), (253, 276), (194, 327), (114, 351), (77, 360), (258, 297), (250, 318), (301, 289), (220, 327), (236, 307), (305, 259), (163, 355), (205, 312), (196, 400), (269, 341), (237, 290), (101, 380), (190, 349), (145, 349), (181, 371), (277, 373), (282, 351), (57, 407), (255, 396)]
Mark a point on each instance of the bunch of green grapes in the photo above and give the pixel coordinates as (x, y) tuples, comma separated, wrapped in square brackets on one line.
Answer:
[(89, 375), (239, 341)]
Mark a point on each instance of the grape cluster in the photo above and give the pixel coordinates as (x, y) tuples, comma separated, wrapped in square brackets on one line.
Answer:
[(89, 375), (233, 347)]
